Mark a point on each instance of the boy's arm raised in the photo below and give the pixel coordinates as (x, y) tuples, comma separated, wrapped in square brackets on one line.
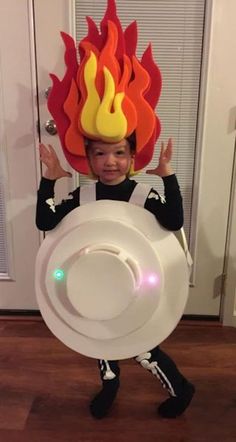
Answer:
[(47, 214)]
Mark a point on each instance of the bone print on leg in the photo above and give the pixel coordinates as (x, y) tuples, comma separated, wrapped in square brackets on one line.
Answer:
[(108, 369), (181, 391), (102, 402), (145, 359)]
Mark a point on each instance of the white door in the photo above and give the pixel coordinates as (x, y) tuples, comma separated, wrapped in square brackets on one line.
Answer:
[(51, 18), (18, 169), (215, 143)]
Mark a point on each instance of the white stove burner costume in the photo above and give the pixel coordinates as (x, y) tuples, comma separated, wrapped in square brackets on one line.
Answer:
[(143, 261)]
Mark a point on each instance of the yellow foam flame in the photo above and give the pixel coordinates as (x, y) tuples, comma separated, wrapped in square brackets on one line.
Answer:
[(111, 125), (102, 118), (92, 103)]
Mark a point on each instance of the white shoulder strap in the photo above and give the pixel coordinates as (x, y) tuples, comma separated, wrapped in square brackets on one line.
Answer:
[(140, 194), (87, 194), (180, 235), (138, 197)]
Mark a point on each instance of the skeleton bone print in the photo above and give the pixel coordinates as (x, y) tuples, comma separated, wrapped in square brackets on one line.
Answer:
[(106, 371), (145, 360)]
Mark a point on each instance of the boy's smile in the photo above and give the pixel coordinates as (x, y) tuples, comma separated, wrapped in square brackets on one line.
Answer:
[(110, 162)]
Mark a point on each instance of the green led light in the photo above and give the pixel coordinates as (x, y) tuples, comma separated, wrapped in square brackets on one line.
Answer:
[(58, 274)]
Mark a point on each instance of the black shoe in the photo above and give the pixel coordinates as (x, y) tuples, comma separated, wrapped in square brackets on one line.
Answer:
[(175, 406), (102, 402)]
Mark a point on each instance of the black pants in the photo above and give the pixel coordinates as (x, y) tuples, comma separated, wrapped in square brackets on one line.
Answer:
[(155, 361)]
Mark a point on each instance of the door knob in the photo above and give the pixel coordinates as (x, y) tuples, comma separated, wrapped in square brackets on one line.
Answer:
[(47, 91), (51, 127)]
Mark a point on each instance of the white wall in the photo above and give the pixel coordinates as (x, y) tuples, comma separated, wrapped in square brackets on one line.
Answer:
[(225, 123), (224, 80), (217, 117)]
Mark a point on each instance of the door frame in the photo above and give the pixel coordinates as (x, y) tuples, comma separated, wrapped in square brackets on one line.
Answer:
[(229, 299)]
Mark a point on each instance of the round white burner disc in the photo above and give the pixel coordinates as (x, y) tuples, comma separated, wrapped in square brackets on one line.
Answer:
[(91, 281), (111, 283)]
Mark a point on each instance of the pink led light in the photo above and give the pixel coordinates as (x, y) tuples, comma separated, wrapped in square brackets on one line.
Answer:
[(153, 279), (150, 280)]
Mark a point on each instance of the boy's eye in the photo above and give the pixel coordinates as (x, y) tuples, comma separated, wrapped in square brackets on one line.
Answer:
[(120, 152), (98, 153)]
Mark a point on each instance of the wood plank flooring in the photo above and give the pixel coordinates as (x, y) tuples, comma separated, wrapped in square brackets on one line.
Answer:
[(45, 389)]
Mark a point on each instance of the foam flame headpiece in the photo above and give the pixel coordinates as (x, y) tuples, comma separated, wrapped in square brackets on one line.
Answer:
[(108, 95)]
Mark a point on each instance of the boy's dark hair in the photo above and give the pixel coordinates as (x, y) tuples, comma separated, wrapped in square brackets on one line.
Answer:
[(132, 142)]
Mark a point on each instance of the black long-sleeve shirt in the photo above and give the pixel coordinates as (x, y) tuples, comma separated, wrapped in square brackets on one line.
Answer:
[(168, 210)]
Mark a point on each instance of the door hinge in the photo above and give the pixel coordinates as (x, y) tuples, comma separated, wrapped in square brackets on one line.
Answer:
[(223, 283)]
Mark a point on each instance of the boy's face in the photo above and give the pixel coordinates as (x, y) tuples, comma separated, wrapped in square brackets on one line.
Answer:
[(110, 162)]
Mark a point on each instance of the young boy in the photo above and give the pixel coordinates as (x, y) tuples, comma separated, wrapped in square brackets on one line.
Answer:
[(111, 163)]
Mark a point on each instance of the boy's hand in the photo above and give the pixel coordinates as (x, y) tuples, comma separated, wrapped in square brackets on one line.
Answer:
[(50, 159), (164, 167)]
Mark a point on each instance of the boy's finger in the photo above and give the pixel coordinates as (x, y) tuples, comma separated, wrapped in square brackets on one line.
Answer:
[(43, 149), (162, 149), (41, 152), (52, 150), (170, 144)]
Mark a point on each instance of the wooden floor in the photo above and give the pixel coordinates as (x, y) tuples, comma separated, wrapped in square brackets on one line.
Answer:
[(45, 389)]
